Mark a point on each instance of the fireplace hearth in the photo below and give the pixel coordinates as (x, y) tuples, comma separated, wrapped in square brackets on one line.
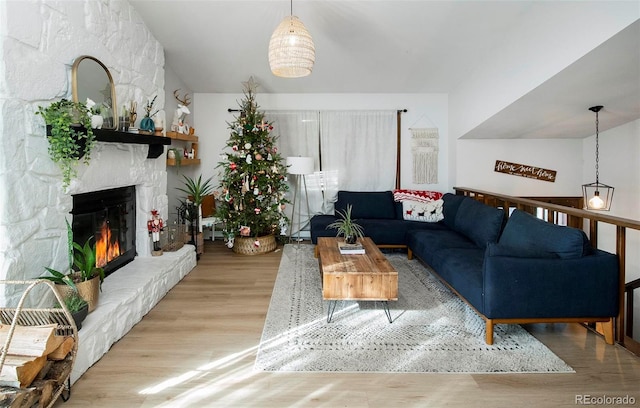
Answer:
[(109, 217)]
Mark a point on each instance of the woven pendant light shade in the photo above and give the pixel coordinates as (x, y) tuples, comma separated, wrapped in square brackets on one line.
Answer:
[(291, 49)]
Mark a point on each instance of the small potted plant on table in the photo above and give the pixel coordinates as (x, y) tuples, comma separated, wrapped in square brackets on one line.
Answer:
[(347, 227)]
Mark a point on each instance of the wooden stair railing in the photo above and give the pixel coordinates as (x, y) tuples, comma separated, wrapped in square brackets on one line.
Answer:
[(576, 217), (630, 343)]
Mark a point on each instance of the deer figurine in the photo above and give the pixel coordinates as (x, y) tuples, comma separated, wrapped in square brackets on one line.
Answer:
[(178, 125)]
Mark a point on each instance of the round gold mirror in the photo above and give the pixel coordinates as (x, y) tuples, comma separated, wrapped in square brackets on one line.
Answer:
[(91, 79)]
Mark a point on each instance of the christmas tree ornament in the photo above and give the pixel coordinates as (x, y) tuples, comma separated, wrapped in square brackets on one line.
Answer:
[(248, 159), (258, 156), (247, 146), (269, 157), (256, 243), (257, 210), (256, 191)]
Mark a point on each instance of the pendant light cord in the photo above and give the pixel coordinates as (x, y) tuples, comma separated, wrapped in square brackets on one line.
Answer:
[(597, 149)]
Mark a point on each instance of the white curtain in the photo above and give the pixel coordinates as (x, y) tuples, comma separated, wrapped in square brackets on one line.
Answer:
[(352, 150), (298, 135), (361, 147)]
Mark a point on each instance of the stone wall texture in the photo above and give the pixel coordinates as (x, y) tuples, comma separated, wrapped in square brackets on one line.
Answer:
[(39, 41)]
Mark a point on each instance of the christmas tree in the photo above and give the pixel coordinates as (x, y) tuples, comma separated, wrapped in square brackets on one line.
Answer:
[(253, 181)]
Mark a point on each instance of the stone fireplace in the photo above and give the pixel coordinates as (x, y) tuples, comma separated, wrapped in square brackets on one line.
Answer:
[(33, 204)]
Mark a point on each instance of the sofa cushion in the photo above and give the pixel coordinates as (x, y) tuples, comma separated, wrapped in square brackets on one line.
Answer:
[(479, 222), (393, 232), (370, 204), (462, 269), (524, 231), (430, 211), (450, 205), (426, 243)]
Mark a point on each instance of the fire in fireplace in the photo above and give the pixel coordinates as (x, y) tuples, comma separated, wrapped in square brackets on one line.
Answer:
[(107, 245), (109, 217)]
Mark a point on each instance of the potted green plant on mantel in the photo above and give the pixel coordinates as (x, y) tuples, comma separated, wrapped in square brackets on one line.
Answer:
[(70, 135), (347, 227), (83, 276)]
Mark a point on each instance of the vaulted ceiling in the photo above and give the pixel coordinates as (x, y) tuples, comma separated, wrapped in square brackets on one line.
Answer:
[(397, 47)]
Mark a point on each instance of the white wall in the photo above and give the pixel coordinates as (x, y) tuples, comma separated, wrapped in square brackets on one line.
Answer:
[(531, 56), (476, 160), (423, 110)]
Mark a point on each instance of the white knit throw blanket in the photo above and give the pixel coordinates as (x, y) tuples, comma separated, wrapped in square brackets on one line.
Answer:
[(424, 147)]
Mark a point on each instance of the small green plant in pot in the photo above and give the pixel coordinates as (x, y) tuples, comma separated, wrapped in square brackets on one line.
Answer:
[(347, 227), (83, 276), (77, 306), (70, 136), (196, 190)]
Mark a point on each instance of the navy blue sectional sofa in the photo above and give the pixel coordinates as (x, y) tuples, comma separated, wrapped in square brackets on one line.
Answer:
[(510, 271), (378, 214)]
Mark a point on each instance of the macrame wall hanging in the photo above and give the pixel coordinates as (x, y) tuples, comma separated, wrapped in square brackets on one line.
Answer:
[(424, 148)]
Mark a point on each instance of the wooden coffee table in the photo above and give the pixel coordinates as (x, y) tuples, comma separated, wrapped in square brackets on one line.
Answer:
[(355, 277)]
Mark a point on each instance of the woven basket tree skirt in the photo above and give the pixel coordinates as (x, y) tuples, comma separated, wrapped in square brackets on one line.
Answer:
[(254, 246)]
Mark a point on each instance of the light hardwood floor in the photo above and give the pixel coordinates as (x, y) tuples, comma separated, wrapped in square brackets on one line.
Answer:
[(197, 347)]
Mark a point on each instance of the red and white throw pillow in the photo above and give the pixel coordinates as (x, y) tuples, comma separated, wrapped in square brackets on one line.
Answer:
[(423, 196), (430, 211)]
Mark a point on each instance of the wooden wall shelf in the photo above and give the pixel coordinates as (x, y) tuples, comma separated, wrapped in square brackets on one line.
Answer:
[(184, 162), (182, 136), (194, 145)]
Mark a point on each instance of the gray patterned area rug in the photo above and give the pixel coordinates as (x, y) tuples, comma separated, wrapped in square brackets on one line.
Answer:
[(432, 331)]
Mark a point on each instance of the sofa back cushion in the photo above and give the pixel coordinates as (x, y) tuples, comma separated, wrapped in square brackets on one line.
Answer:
[(525, 231), (450, 205), (478, 222), (367, 204)]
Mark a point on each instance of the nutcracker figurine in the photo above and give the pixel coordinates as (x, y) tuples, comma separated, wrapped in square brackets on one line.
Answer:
[(155, 225)]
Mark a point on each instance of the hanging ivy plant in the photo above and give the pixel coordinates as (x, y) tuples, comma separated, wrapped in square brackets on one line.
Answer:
[(70, 135)]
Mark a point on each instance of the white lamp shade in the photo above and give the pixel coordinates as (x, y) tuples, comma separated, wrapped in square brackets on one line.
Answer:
[(300, 165), (291, 49)]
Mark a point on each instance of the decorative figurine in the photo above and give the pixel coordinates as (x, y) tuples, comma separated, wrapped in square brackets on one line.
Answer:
[(155, 226)]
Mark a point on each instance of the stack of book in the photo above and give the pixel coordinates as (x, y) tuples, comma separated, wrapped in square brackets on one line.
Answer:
[(350, 249)]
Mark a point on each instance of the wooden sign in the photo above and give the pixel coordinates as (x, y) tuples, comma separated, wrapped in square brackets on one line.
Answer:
[(524, 170)]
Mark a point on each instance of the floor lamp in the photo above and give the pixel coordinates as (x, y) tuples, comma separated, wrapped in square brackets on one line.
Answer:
[(299, 166)]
